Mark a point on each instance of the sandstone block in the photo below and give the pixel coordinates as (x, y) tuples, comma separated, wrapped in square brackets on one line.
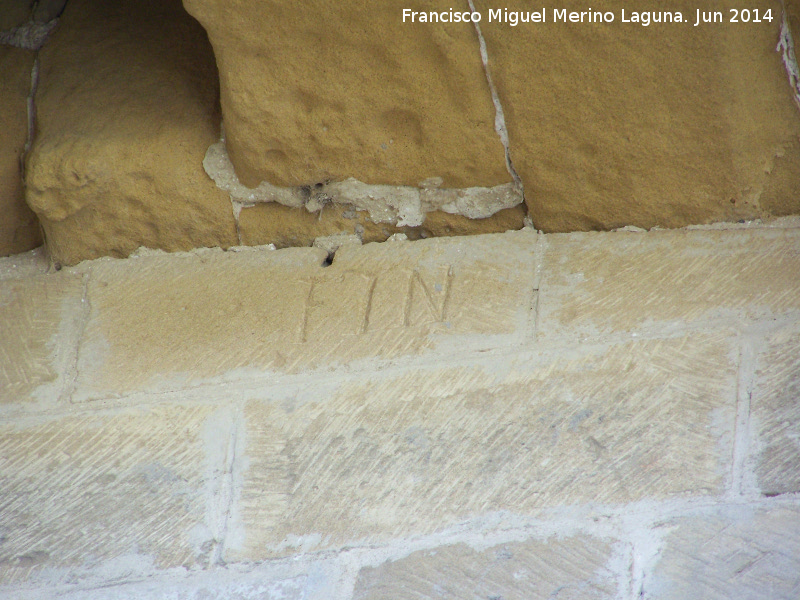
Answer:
[(126, 110), (571, 568), (203, 315), (775, 414), (19, 228), (38, 321), (741, 553), (342, 90), (385, 456), (596, 284), (14, 13), (614, 124), (86, 489)]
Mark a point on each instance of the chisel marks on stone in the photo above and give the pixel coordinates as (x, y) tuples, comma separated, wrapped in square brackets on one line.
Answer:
[(403, 455), (601, 283), (775, 408), (96, 488), (562, 568), (32, 314), (740, 553)]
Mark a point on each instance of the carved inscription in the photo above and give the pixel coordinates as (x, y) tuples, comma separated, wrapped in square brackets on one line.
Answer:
[(355, 303)]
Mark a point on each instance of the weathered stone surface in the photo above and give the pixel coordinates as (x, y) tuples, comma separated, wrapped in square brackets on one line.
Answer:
[(344, 90), (19, 228), (272, 223), (219, 584), (594, 283), (210, 313), (14, 13), (614, 124), (81, 490), (775, 414), (26, 264), (413, 454), (38, 317), (741, 553), (571, 568), (126, 110)]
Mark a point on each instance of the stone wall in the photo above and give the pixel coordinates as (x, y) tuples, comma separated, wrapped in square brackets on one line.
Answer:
[(517, 416), (343, 119)]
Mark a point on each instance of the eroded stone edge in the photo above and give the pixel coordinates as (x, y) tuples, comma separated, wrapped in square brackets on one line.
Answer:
[(396, 205)]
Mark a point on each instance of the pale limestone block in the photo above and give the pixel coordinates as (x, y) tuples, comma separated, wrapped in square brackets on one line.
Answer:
[(571, 568), (775, 414), (213, 313), (607, 283), (38, 319), (399, 455), (740, 553), (82, 490)]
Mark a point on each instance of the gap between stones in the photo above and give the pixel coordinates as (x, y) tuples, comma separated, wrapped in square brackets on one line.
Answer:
[(499, 119), (742, 482)]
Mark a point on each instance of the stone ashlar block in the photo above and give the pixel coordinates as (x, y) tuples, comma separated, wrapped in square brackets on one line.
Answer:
[(386, 456), (39, 317), (570, 568), (775, 414), (301, 89), (82, 490), (615, 123), (599, 284), (740, 553), (126, 108), (212, 313)]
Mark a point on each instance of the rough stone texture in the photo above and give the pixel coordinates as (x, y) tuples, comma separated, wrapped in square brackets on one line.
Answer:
[(272, 223), (14, 13), (418, 460), (775, 410), (37, 327), (742, 554), (27, 264), (418, 453), (80, 490), (19, 228), (342, 90), (569, 569), (284, 311), (126, 110), (667, 125), (47, 10), (594, 283)]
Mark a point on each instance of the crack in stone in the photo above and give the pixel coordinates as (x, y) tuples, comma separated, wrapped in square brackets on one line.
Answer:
[(786, 48), (500, 119)]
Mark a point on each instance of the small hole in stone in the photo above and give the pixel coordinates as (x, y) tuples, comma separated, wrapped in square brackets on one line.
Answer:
[(329, 260)]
